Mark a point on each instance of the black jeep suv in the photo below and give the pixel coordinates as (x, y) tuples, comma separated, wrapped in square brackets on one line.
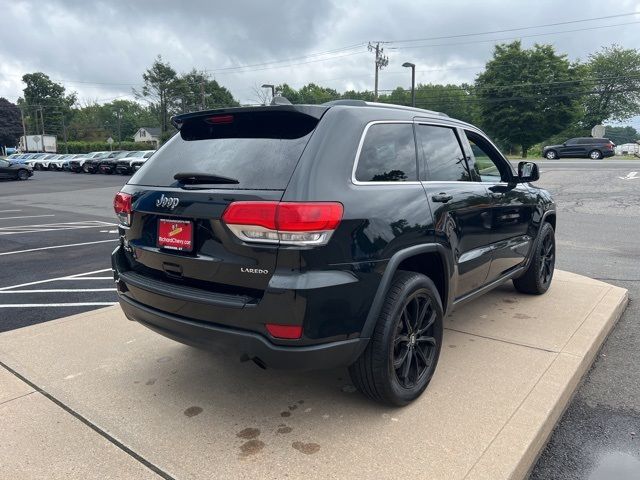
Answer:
[(583, 147), (315, 236)]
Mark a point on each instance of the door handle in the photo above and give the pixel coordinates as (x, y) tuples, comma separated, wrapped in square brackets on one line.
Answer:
[(441, 197)]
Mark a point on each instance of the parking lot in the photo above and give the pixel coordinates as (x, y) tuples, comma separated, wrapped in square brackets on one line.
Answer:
[(56, 234), (57, 231)]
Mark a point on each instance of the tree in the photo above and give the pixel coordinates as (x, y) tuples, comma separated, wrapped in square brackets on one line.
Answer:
[(310, 93), (527, 95), (620, 135), (198, 91), (45, 100), (10, 123), (161, 88), (613, 81)]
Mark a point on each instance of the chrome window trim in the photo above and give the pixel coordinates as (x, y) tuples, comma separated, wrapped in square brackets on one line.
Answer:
[(354, 180), (422, 121)]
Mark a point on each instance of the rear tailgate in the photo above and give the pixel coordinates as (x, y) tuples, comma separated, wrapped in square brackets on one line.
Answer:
[(176, 233)]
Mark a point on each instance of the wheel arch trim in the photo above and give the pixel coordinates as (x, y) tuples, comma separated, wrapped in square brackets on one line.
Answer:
[(390, 270)]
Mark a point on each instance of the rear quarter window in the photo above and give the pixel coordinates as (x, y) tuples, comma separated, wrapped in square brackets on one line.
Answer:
[(388, 154)]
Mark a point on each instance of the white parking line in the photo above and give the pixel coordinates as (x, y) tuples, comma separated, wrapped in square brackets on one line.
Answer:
[(9, 211), (47, 228), (60, 290), (88, 278), (57, 246), (46, 305), (26, 216), (10, 287)]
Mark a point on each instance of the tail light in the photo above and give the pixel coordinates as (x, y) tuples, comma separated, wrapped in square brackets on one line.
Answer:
[(122, 207), (284, 223)]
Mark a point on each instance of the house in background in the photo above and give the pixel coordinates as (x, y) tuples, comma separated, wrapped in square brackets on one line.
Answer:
[(148, 135)]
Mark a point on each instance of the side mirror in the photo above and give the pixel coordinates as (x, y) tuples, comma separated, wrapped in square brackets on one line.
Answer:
[(527, 172)]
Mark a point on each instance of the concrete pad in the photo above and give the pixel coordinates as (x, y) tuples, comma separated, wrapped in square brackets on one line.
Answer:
[(39, 440), (11, 387), (499, 389)]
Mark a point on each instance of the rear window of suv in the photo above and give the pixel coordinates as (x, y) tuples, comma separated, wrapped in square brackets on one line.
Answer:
[(258, 149)]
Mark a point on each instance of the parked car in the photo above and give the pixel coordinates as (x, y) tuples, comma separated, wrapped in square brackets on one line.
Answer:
[(66, 163), (108, 165), (48, 162), (582, 147), (15, 170), (75, 164), (16, 158), (317, 236), (34, 160), (91, 164), (57, 163), (133, 161)]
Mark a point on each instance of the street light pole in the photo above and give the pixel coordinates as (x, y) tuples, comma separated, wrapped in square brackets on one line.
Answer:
[(272, 87), (413, 81)]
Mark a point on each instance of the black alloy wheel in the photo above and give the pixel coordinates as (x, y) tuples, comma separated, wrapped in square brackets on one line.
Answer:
[(403, 351), (547, 259), (414, 344), (537, 278)]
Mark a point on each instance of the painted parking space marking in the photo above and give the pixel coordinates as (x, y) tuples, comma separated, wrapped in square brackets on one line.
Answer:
[(59, 290), (27, 216), (9, 211), (630, 176), (54, 227), (47, 305), (66, 277), (73, 279), (58, 246)]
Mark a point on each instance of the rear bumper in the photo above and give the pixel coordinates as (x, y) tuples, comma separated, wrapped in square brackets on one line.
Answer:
[(608, 153), (245, 344), (332, 325)]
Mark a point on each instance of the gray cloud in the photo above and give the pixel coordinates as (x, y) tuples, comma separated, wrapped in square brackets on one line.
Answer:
[(107, 45)]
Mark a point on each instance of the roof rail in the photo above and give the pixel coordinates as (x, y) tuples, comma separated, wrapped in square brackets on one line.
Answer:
[(363, 103)]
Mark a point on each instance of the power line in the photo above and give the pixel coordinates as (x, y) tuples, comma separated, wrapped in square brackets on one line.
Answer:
[(495, 40), (568, 22)]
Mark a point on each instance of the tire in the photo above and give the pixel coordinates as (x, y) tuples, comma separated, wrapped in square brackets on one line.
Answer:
[(23, 174), (595, 154), (397, 336), (551, 155), (85, 168), (537, 278)]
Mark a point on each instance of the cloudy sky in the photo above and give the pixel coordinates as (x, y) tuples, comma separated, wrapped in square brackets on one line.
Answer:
[(100, 49)]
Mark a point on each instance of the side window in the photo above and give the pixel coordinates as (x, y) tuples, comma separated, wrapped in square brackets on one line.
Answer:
[(442, 155), (572, 141), (388, 154), (487, 165)]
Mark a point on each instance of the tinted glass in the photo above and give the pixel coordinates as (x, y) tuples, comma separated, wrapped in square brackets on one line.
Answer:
[(572, 141), (388, 154), (442, 154), (260, 151)]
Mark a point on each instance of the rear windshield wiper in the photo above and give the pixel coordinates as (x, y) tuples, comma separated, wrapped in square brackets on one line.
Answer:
[(190, 178)]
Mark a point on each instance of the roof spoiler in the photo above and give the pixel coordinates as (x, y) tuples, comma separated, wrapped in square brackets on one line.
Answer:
[(315, 111)]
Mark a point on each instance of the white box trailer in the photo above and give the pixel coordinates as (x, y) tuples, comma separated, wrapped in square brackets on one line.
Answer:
[(39, 143)]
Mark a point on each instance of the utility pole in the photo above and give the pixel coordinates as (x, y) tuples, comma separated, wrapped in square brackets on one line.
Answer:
[(24, 130), (380, 62), (42, 118), (64, 135), (119, 116), (203, 100)]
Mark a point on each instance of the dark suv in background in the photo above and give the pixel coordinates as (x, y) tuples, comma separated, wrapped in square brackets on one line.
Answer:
[(583, 147), (303, 236)]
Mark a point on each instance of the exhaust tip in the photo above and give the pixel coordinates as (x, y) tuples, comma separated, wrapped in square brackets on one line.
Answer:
[(259, 363)]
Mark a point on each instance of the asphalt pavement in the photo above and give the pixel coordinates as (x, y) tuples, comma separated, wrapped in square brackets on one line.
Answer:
[(598, 235), (56, 233)]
